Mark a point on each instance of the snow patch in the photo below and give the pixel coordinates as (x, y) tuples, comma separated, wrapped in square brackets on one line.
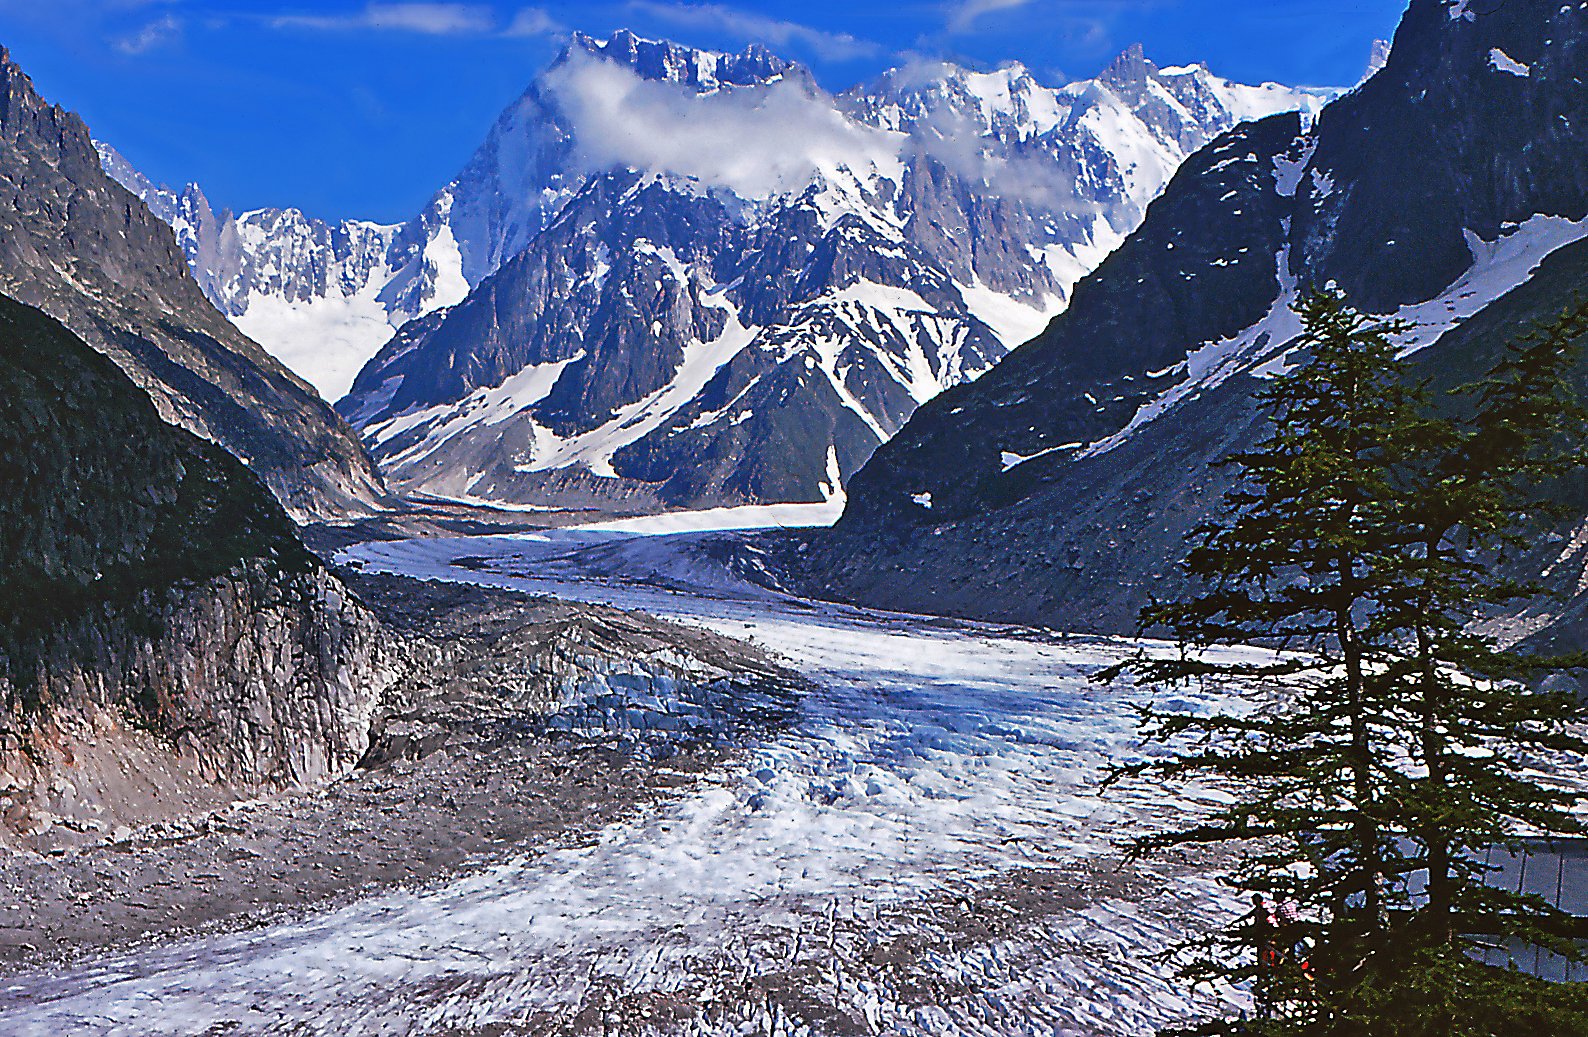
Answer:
[(1497, 267), (749, 516), (701, 360), (325, 341), (1008, 459), (1069, 263), (482, 407), (445, 260), (1014, 321), (1213, 363), (1500, 61)]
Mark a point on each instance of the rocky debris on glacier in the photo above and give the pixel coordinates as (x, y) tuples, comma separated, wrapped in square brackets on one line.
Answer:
[(516, 722), (169, 646)]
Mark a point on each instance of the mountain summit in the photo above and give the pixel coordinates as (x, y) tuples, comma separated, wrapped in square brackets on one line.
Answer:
[(679, 277), (1450, 189)]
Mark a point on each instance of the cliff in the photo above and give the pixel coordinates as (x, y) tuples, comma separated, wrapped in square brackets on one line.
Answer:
[(165, 638)]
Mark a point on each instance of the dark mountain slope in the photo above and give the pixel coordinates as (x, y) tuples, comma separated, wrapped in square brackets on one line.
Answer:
[(77, 245), (1059, 488), (162, 629), (1443, 142)]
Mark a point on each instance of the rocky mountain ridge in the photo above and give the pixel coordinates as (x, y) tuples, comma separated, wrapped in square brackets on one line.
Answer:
[(934, 220), (311, 290), (76, 244), (688, 334), (1060, 487)]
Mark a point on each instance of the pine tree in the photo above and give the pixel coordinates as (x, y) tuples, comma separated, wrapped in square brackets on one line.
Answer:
[(1477, 726), (1376, 751)]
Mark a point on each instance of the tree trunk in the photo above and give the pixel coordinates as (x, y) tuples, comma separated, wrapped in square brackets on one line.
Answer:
[(1437, 843), (1365, 828)]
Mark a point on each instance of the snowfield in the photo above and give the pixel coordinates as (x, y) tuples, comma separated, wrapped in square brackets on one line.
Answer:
[(926, 851)]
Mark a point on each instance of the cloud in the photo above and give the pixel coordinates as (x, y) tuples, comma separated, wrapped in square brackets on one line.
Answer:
[(1019, 171), (830, 46), (754, 141), (161, 30), (964, 15), (427, 19), (532, 21)]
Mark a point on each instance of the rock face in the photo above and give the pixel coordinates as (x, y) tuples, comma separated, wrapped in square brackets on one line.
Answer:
[(497, 664), (737, 302), (699, 320), (1060, 487), (80, 247), (165, 639)]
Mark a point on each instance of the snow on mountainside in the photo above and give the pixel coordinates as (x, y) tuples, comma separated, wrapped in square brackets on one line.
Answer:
[(312, 293), (762, 286), (1435, 191), (695, 278)]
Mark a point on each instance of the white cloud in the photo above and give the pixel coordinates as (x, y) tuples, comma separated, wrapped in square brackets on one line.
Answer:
[(754, 141), (966, 13), (161, 30), (831, 46), (532, 21), (428, 19)]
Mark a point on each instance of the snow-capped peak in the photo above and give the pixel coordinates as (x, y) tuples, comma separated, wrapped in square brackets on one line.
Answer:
[(717, 251), (665, 61)]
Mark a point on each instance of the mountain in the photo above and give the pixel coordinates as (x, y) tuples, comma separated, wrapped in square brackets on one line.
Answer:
[(164, 636), (1060, 487), (671, 305), (308, 290), (78, 246), (320, 297), (958, 179)]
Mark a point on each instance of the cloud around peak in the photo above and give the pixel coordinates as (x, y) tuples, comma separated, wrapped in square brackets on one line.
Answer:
[(755, 141)]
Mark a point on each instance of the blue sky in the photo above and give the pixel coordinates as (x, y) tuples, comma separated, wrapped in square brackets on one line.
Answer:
[(362, 109)]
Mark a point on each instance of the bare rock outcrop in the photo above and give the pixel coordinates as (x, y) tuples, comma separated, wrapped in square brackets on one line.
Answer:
[(166, 640)]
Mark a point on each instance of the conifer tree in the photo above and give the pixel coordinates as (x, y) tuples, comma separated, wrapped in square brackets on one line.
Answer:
[(1477, 726), (1375, 755)]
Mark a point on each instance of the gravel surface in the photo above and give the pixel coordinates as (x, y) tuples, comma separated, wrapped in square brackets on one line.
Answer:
[(468, 769)]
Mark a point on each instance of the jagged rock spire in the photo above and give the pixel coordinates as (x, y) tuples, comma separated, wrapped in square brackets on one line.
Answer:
[(1131, 66)]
